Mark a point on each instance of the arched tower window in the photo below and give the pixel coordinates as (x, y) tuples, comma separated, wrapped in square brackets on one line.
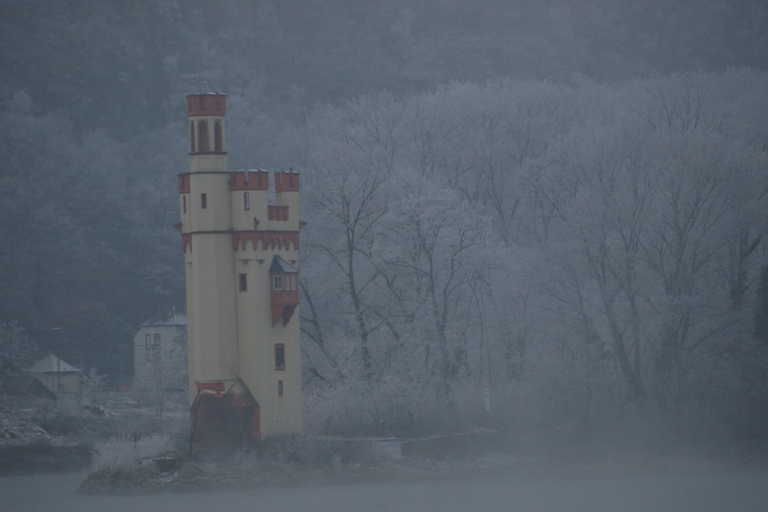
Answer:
[(218, 143), (202, 135), (191, 137)]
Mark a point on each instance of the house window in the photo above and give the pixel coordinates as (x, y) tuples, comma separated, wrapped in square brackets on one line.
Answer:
[(243, 280), (277, 282), (203, 201), (279, 356), (147, 341), (246, 201), (279, 388), (156, 343)]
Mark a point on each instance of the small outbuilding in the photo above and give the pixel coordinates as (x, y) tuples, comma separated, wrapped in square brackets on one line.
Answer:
[(56, 374)]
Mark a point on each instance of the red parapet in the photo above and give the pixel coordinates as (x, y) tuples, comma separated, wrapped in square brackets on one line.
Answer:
[(184, 183), (216, 386), (186, 242), (249, 180), (207, 104), (287, 181)]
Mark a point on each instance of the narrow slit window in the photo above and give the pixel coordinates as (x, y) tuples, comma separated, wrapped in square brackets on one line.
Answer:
[(203, 201), (243, 280), (202, 135), (218, 141), (184, 203), (246, 201), (279, 356), (191, 137)]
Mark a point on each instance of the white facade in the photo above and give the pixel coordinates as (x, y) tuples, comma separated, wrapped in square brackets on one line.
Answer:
[(160, 353)]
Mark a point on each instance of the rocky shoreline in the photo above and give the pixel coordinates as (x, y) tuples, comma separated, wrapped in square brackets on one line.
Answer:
[(188, 476)]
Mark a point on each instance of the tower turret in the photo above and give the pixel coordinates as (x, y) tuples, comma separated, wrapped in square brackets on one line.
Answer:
[(241, 255), (206, 233)]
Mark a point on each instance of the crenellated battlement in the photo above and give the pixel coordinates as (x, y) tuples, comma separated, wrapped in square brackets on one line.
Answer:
[(286, 181), (249, 180), (207, 104)]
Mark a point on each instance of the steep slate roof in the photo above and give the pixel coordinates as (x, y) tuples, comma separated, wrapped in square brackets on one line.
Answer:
[(53, 364), (16, 382), (167, 318), (280, 266)]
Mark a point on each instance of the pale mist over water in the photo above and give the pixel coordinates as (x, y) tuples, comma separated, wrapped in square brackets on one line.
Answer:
[(727, 491)]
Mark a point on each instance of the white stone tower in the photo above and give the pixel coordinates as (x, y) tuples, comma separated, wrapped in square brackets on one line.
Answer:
[(241, 257)]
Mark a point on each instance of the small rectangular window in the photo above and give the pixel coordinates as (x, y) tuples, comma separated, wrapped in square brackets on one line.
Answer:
[(156, 343), (293, 282), (243, 280), (246, 201), (203, 201), (279, 388), (277, 282), (279, 356), (184, 203)]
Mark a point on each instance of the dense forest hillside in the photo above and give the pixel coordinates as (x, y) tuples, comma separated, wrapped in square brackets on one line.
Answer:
[(560, 205)]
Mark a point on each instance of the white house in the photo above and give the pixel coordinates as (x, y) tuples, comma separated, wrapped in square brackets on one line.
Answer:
[(160, 352)]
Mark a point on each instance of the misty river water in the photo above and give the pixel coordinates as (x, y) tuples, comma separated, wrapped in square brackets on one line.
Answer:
[(731, 490)]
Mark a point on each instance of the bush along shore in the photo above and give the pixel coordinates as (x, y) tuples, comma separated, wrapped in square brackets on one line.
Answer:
[(318, 461), (71, 435)]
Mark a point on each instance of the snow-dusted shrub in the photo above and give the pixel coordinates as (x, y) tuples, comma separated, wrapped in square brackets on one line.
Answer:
[(121, 454)]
